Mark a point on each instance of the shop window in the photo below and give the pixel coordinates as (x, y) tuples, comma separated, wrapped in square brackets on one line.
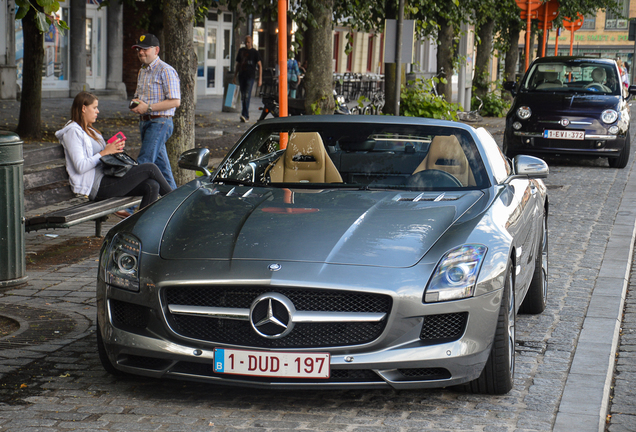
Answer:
[(619, 21), (56, 66), (199, 48), (589, 23)]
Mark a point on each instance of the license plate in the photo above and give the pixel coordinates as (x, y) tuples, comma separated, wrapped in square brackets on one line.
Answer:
[(271, 364), (569, 135)]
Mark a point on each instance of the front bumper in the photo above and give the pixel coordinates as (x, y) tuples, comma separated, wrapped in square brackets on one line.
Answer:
[(398, 359)]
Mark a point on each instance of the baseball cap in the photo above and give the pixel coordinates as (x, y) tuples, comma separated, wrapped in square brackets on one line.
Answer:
[(147, 41)]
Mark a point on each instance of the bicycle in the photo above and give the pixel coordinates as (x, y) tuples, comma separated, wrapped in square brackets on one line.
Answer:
[(471, 116)]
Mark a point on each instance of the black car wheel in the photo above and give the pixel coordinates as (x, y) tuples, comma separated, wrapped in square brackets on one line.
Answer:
[(498, 374), (537, 295), (623, 158)]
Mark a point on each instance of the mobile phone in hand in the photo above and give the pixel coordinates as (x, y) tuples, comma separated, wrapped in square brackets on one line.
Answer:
[(118, 136), (133, 104)]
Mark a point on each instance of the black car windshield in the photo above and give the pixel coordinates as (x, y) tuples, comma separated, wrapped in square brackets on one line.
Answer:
[(573, 77), (357, 155)]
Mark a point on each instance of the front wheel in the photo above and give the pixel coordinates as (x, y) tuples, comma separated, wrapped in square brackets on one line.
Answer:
[(498, 374), (537, 295), (623, 158)]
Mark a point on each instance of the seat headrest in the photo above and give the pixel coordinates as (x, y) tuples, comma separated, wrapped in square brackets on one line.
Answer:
[(598, 74), (305, 147)]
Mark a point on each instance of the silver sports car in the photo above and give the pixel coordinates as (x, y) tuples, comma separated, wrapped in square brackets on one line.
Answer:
[(332, 252)]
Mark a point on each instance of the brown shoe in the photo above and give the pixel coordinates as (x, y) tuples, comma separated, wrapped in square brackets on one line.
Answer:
[(122, 214)]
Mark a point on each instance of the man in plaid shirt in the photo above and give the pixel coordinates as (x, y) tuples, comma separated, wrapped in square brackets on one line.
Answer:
[(158, 95)]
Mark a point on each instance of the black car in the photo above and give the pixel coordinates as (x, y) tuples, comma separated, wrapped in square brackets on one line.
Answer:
[(570, 106)]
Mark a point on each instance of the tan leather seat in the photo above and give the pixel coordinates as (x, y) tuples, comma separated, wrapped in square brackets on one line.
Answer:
[(305, 160), (446, 154)]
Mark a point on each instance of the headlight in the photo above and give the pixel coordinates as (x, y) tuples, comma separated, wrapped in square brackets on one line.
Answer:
[(516, 125), (524, 112), (609, 116), (122, 266), (456, 274)]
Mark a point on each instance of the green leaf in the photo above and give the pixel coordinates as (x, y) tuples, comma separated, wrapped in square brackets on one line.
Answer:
[(41, 22), (22, 11)]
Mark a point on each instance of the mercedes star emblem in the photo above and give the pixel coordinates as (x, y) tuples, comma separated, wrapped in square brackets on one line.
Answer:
[(271, 315)]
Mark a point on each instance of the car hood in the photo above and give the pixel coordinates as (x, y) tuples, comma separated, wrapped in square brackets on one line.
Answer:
[(572, 103), (336, 226)]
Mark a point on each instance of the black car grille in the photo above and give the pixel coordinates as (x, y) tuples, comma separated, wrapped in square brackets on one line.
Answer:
[(304, 335), (337, 375), (443, 328), (128, 316)]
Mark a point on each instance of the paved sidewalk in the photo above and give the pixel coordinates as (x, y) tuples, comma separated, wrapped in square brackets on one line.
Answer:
[(59, 300)]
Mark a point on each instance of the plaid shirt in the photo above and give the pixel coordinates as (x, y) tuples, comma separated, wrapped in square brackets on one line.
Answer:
[(157, 82)]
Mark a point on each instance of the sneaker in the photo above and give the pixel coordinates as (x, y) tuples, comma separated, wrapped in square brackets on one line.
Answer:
[(243, 119)]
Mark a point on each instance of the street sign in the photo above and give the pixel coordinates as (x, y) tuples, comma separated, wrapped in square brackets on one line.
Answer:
[(573, 25), (531, 5)]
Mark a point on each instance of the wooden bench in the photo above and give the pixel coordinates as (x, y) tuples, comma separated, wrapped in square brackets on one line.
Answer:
[(46, 183)]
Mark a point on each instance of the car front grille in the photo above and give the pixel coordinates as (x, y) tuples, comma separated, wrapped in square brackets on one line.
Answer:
[(303, 335), (443, 328)]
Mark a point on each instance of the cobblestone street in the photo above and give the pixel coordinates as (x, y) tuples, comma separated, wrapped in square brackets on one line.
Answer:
[(54, 380)]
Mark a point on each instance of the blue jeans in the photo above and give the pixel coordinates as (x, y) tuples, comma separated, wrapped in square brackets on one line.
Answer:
[(246, 93), (154, 134)]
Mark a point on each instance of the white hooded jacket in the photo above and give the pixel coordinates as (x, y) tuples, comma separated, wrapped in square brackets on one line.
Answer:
[(80, 160)]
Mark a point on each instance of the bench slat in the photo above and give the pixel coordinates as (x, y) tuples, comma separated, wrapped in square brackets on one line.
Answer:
[(91, 208)]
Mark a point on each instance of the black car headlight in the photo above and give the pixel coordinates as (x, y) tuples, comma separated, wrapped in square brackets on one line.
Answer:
[(609, 116), (122, 266), (456, 274), (524, 112)]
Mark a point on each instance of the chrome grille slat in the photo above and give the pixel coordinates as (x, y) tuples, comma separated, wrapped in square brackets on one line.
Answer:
[(323, 317)]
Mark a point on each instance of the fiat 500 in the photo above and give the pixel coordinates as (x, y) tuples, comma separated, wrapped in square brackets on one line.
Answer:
[(570, 106)]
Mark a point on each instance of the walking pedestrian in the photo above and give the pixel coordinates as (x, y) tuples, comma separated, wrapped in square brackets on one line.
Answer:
[(158, 95), (293, 75), (247, 60), (84, 146)]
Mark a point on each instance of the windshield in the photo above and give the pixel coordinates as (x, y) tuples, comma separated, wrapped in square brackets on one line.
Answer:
[(360, 155), (564, 76)]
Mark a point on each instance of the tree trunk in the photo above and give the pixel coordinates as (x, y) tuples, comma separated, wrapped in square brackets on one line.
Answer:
[(390, 69), (30, 122), (319, 77), (512, 57), (445, 44), (178, 52), (482, 80)]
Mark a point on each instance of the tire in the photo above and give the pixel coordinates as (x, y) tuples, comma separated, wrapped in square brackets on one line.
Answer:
[(497, 378), (537, 295), (103, 356), (623, 158)]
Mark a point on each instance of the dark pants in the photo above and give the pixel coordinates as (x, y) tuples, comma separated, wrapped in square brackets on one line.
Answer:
[(245, 85), (143, 180)]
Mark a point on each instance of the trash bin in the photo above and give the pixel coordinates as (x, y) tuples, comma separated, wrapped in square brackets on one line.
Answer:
[(12, 255)]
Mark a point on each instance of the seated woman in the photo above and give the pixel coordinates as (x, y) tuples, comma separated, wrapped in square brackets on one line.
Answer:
[(84, 146)]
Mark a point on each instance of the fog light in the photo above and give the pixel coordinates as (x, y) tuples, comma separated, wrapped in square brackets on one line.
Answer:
[(613, 130), (516, 125), (599, 144)]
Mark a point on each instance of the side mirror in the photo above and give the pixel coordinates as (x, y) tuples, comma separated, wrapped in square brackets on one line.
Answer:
[(632, 90), (195, 159), (530, 166), (511, 86)]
